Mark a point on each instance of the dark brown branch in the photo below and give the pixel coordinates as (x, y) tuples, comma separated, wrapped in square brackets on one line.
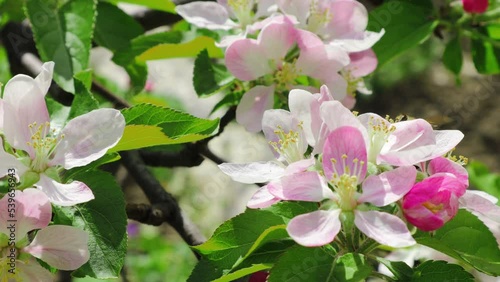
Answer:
[(164, 207), (118, 102)]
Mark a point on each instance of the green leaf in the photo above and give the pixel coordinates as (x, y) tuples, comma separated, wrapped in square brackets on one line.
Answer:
[(161, 5), (204, 271), (289, 210), (303, 264), (438, 271), (243, 272), (486, 49), (63, 35), (209, 77), (351, 267), (105, 220), (83, 102), (452, 56), (401, 271), (237, 237), (406, 25), (467, 239), (114, 29), (150, 125), (481, 178)]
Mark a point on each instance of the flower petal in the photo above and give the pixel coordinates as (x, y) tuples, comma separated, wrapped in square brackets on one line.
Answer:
[(300, 104), (362, 63), (388, 187), (276, 39), (252, 106), (298, 8), (441, 164), (306, 186), (23, 104), (360, 43), (446, 140), (315, 229), (385, 228), (262, 198), (8, 161), (207, 15), (60, 194), (63, 247), (480, 206), (349, 20), (32, 211), (258, 172), (32, 271), (344, 152), (88, 137), (44, 79), (247, 60)]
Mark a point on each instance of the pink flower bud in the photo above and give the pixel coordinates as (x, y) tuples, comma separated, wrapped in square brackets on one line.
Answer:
[(260, 276), (433, 202), (475, 6)]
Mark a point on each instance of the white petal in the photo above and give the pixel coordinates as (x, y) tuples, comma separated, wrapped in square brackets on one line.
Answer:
[(385, 228), (60, 194), (316, 228), (88, 137), (207, 15), (63, 247), (253, 104), (44, 79), (32, 271), (8, 161), (357, 45), (479, 205), (258, 172), (300, 103), (304, 186), (262, 199)]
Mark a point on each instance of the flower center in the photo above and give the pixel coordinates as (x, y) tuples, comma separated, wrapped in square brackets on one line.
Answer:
[(318, 17), (433, 207), (289, 145), (379, 131), (287, 74), (345, 184), (242, 10), (43, 144)]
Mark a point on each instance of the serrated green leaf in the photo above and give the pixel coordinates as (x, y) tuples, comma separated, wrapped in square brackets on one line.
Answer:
[(406, 25), (161, 5), (149, 125), (289, 210), (63, 35), (105, 220), (209, 77), (437, 271), (351, 267), (83, 102), (204, 271), (467, 239), (401, 271), (485, 54), (452, 56), (303, 264), (114, 29), (182, 50)]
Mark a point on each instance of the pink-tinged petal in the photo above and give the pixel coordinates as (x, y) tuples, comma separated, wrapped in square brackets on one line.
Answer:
[(252, 106), (446, 140), (247, 60), (88, 137), (266, 8), (338, 86), (480, 206), (262, 198), (63, 247), (32, 271), (207, 15), (483, 194), (299, 166), (298, 8), (229, 39), (23, 104), (349, 20), (276, 18), (306, 186), (276, 123), (300, 104), (8, 161), (411, 142), (363, 42), (276, 39), (257, 172), (44, 79), (344, 152), (69, 194), (32, 211), (388, 187), (362, 63), (441, 164), (349, 101), (335, 115), (316, 228), (385, 228)]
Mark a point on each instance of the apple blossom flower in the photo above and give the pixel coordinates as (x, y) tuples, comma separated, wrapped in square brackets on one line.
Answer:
[(475, 6), (265, 59), (338, 22), (62, 247), (345, 166), (40, 150)]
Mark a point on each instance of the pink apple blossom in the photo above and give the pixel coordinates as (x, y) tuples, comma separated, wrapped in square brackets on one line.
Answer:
[(475, 6), (345, 166), (40, 150), (62, 247), (264, 59)]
